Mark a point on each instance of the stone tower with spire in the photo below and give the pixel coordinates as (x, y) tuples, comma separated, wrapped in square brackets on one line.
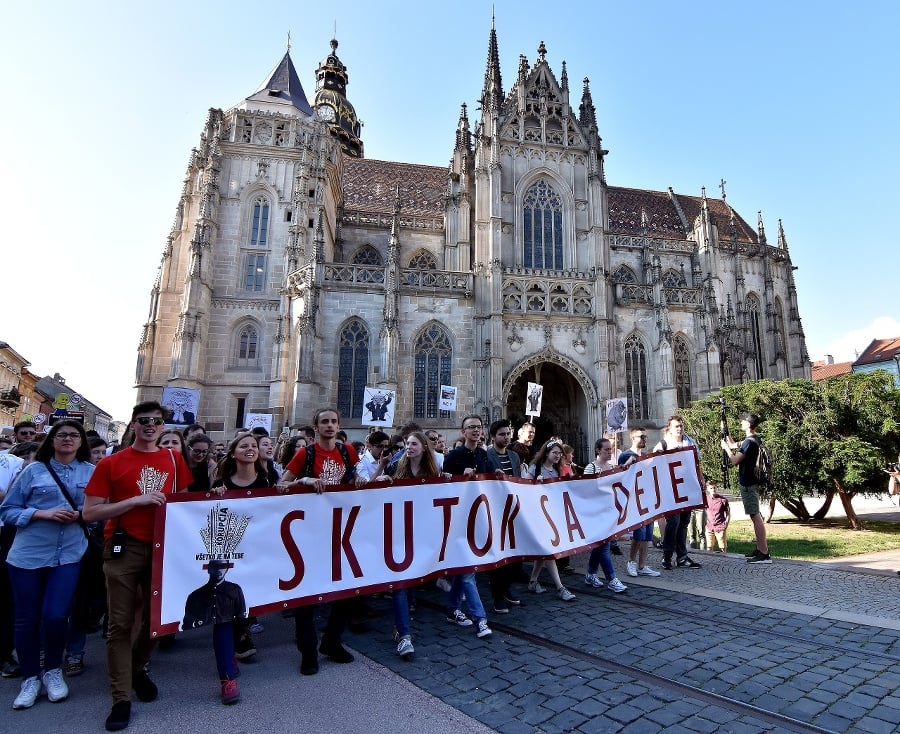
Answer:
[(298, 272)]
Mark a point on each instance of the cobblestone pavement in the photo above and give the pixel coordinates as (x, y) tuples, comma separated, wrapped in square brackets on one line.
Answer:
[(785, 638), (680, 654)]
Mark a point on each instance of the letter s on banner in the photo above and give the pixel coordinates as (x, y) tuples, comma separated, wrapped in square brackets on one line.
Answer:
[(292, 550)]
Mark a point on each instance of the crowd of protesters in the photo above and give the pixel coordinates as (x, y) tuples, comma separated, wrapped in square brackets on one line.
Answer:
[(78, 522)]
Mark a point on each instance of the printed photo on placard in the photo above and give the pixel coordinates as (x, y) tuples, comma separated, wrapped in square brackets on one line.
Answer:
[(617, 415), (184, 404), (534, 396), (252, 420), (378, 407), (448, 398)]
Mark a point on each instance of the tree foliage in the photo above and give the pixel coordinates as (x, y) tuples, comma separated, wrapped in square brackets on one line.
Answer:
[(831, 437)]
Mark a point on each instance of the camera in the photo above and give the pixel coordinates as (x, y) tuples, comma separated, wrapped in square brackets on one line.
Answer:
[(892, 468)]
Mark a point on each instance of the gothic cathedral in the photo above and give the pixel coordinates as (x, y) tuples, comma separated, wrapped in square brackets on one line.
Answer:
[(298, 271)]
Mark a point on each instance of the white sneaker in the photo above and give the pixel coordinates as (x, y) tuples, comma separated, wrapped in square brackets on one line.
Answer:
[(631, 568), (565, 594), (616, 586), (57, 690), (405, 647), (457, 617), (31, 689), (483, 629), (646, 571), (535, 587), (592, 579)]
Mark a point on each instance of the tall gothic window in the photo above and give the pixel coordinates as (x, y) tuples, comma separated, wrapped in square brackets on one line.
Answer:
[(353, 368), (780, 333), (259, 227), (433, 360), (682, 358), (636, 388), (542, 227), (246, 346), (756, 343)]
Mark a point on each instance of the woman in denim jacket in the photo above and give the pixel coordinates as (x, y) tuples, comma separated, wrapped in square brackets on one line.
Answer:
[(45, 557)]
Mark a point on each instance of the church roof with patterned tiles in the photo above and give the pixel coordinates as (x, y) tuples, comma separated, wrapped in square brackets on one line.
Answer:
[(371, 185)]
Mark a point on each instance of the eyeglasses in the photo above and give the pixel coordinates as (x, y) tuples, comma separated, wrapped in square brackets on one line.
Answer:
[(383, 446), (643, 436), (63, 436), (473, 428), (23, 432), (200, 452), (146, 420)]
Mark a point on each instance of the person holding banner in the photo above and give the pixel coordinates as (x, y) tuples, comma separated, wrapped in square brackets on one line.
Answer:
[(126, 488), (676, 529), (546, 465), (321, 464), (504, 462), (600, 556)]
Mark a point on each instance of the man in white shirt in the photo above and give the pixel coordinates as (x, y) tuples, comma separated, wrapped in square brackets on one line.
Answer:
[(675, 538)]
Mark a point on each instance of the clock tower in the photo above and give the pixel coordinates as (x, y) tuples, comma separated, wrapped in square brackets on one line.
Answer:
[(331, 104)]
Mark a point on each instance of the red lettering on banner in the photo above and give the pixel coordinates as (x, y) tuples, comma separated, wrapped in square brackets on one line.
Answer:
[(572, 522), (639, 490), (447, 504), (656, 485), (510, 510), (344, 544), (292, 550), (407, 536), (619, 487), (554, 541), (470, 529), (676, 481)]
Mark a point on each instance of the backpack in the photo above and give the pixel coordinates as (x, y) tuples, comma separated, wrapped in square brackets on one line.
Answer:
[(762, 470), (308, 468)]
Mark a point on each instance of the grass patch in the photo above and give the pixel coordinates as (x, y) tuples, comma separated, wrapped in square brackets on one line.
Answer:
[(816, 541)]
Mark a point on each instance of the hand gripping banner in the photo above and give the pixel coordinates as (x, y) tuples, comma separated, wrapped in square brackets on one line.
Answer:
[(289, 550)]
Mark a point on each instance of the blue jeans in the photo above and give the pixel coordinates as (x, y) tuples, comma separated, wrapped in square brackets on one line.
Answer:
[(400, 600), (601, 557), (465, 583), (43, 599), (223, 646)]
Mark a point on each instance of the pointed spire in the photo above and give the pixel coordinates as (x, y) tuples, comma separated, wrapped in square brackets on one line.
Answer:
[(782, 240), (760, 228), (542, 53), (587, 113), (564, 80), (492, 94), (523, 68), (282, 86), (463, 133)]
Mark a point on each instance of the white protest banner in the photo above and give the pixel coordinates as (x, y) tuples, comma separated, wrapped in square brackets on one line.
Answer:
[(534, 396), (258, 420), (294, 549), (378, 407), (448, 398)]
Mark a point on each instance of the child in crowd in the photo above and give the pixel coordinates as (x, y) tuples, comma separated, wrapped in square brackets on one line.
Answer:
[(717, 517)]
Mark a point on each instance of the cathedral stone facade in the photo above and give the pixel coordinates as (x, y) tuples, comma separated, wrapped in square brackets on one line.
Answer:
[(298, 271)]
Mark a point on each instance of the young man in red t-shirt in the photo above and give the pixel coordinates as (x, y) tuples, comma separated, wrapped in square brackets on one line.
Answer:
[(332, 463), (125, 490)]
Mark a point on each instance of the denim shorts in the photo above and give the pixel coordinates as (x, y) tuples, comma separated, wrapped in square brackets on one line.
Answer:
[(645, 532)]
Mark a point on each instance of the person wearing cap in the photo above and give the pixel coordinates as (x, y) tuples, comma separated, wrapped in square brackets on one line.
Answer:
[(218, 603), (744, 458)]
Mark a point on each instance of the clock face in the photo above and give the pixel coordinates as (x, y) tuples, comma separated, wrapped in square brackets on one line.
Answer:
[(325, 112)]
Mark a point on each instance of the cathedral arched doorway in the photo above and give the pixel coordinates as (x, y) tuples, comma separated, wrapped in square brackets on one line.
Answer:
[(564, 409)]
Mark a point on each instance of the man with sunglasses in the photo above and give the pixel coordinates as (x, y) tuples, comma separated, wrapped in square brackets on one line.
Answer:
[(125, 490), (25, 431)]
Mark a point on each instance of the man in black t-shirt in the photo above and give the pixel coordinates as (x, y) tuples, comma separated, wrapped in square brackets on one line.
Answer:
[(744, 458)]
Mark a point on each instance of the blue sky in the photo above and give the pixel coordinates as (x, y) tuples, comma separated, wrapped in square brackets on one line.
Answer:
[(793, 104)]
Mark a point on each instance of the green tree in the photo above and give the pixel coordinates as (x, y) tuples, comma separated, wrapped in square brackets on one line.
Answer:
[(831, 437)]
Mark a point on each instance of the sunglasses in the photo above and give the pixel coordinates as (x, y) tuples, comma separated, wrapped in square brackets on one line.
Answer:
[(146, 420)]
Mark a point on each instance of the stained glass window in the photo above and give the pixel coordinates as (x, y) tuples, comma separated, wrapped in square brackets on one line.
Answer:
[(259, 227), (542, 227), (247, 346), (353, 368), (433, 360), (255, 274), (623, 274), (366, 255), (636, 378), (423, 260)]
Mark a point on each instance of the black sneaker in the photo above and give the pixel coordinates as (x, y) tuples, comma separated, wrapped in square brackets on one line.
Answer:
[(245, 648), (500, 607), (119, 717), (332, 648), (10, 669), (760, 558), (517, 602), (667, 564), (144, 688), (751, 554), (615, 550), (688, 562)]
